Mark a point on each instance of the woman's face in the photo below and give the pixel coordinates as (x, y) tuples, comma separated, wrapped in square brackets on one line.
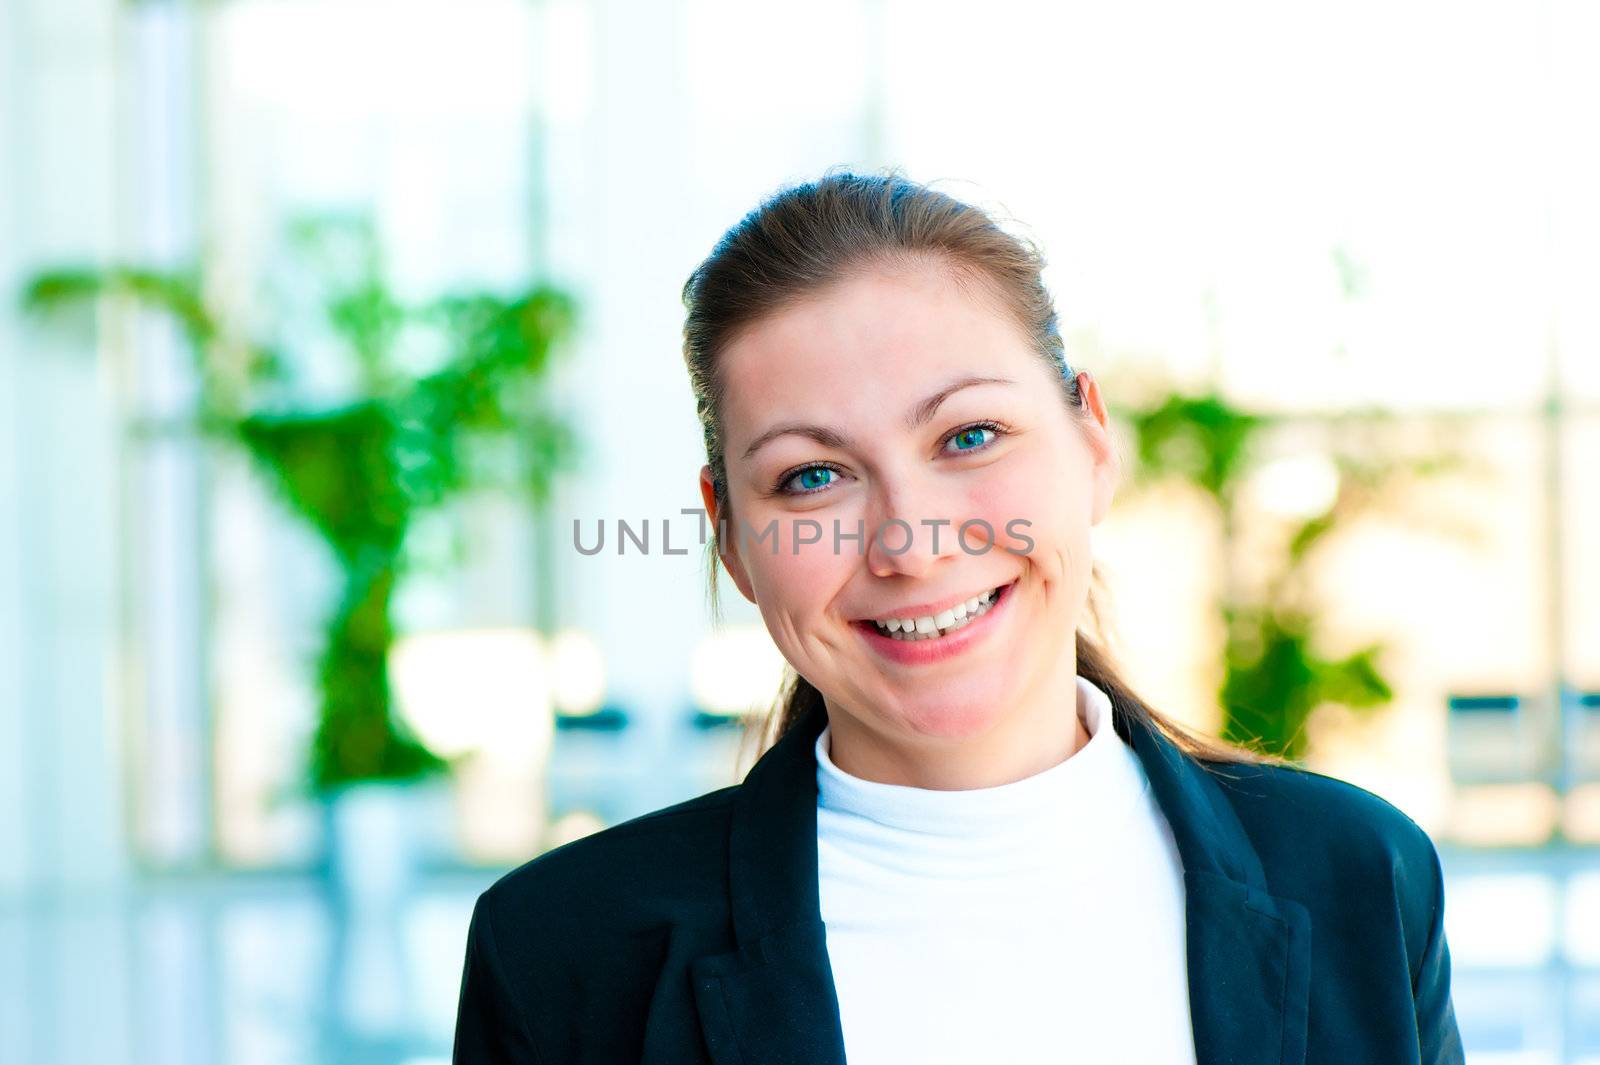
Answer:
[(861, 409)]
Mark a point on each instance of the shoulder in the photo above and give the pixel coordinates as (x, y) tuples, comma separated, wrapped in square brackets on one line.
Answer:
[(1335, 845), (1343, 820), (590, 923), (632, 874)]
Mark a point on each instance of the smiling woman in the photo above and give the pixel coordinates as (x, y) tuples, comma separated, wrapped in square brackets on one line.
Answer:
[(970, 840)]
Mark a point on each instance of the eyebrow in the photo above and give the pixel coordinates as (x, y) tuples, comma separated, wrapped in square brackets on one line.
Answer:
[(832, 438)]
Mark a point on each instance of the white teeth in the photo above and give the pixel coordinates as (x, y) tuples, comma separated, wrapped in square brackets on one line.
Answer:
[(931, 627)]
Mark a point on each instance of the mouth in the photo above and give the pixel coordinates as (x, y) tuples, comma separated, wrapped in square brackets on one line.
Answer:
[(941, 625)]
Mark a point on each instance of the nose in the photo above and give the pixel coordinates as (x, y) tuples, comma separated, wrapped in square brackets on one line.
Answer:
[(909, 532)]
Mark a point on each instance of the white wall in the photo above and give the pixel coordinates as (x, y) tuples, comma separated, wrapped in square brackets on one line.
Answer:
[(60, 731)]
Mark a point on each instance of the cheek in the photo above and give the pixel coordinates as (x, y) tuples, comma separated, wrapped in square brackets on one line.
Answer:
[(1036, 496), (798, 568)]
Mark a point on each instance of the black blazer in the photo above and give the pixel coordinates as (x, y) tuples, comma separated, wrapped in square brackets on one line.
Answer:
[(693, 934)]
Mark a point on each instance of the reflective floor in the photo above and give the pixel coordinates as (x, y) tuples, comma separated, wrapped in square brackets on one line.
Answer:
[(246, 972), (263, 970)]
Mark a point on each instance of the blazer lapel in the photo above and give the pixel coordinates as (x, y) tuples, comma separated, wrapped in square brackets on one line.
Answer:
[(1249, 952), (772, 999)]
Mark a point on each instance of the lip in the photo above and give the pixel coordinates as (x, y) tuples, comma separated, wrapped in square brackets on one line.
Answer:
[(926, 652)]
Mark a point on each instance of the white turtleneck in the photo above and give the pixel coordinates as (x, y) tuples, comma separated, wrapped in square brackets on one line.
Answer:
[(1037, 921)]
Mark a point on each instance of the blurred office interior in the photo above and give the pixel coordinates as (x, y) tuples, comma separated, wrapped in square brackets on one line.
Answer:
[(1372, 226)]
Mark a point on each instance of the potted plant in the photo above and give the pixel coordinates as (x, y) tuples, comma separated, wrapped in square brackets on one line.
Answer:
[(359, 471)]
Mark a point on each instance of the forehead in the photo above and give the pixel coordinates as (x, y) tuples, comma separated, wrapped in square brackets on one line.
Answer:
[(866, 346)]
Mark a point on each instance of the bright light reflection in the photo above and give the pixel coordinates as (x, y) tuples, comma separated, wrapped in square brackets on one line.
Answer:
[(577, 672), (464, 690), (735, 670), (1301, 486), (1581, 925), (1501, 919)]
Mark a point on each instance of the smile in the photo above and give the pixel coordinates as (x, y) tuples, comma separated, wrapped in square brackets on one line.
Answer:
[(933, 626), (929, 638)]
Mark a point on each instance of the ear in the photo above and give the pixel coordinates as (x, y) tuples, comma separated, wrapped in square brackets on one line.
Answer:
[(1102, 446), (728, 551)]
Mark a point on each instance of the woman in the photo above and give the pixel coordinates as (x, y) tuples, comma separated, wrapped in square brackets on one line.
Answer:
[(937, 860)]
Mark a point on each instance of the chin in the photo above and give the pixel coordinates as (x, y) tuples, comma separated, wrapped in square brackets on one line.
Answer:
[(954, 718)]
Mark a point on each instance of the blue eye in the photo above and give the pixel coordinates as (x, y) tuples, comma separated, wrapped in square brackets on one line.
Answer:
[(816, 478), (812, 478), (971, 438)]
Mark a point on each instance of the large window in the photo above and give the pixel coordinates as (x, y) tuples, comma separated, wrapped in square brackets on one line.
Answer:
[(1307, 234)]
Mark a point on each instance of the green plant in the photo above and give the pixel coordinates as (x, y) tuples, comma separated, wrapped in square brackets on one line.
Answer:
[(1273, 675), (360, 470)]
